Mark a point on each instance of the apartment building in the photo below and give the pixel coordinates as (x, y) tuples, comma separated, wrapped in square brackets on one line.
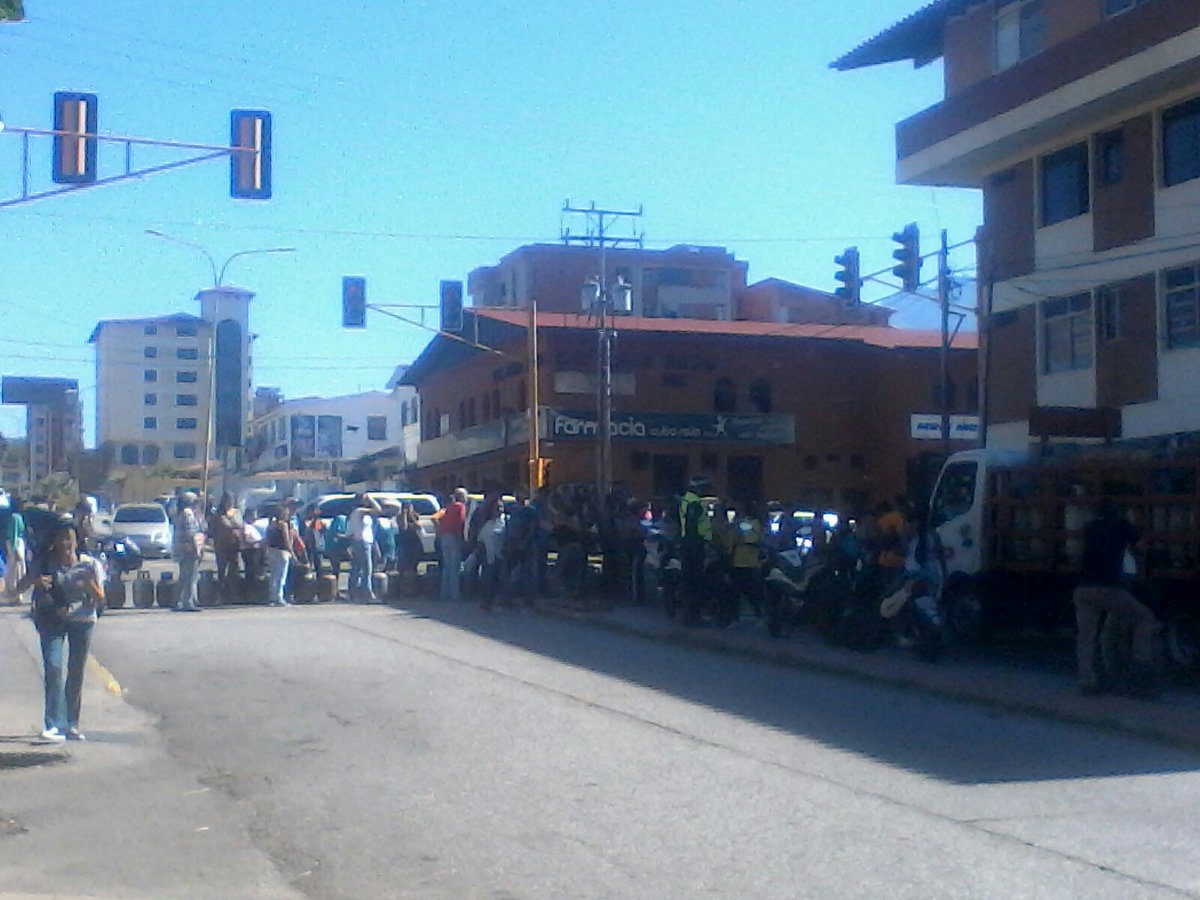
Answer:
[(1079, 120), (53, 423)]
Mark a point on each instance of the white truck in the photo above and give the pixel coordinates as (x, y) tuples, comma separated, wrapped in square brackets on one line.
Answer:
[(1012, 529)]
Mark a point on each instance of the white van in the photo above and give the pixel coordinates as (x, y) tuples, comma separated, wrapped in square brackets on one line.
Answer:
[(426, 505)]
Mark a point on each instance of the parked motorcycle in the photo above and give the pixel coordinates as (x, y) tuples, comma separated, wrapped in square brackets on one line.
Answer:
[(119, 555), (913, 606)]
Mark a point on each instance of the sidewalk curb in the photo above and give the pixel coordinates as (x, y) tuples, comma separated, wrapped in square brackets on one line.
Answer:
[(32, 754), (1119, 714)]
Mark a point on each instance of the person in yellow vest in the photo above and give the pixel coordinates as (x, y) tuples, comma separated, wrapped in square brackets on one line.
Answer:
[(745, 562), (695, 534)]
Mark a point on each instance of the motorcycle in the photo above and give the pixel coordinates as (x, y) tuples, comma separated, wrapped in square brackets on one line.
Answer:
[(786, 589), (119, 555), (914, 606)]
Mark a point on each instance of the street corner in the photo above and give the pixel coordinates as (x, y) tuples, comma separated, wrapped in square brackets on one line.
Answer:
[(25, 751)]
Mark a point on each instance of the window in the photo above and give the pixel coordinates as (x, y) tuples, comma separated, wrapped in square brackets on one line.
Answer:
[(150, 375), (185, 331), (129, 455), (496, 401), (185, 399), (1181, 143), (1110, 157), (487, 407), (724, 396), (1020, 31), (760, 395), (187, 353), (471, 412), (1065, 184), (1112, 7), (186, 424), (185, 377), (1181, 306), (955, 492), (150, 352), (376, 428), (462, 415), (150, 422), (150, 455), (184, 451), (150, 329), (150, 399), (1108, 307), (1067, 333)]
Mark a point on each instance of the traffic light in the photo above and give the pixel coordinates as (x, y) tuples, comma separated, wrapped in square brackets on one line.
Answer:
[(75, 142), (450, 302), (250, 154), (849, 276), (354, 302), (908, 255)]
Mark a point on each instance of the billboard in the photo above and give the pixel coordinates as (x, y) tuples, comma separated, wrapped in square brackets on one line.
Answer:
[(37, 391)]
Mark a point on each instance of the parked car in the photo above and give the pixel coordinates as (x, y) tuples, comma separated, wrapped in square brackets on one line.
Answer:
[(426, 505), (147, 525)]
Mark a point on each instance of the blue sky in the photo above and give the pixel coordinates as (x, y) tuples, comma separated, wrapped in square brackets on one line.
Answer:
[(416, 141)]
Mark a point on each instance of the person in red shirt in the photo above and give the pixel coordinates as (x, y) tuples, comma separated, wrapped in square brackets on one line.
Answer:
[(451, 522)]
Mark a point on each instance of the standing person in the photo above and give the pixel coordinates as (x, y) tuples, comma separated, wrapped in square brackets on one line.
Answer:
[(409, 548), (281, 537), (695, 533), (491, 549), (451, 522), (14, 551), (1107, 539), (314, 538), (745, 565), (476, 555), (360, 528), (386, 538), (226, 530), (68, 589), (187, 542), (84, 516)]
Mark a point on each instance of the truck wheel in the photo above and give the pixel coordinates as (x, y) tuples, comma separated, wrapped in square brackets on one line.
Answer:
[(965, 613), (1183, 643)]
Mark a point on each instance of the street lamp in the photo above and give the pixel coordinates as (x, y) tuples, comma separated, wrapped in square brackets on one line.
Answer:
[(218, 278)]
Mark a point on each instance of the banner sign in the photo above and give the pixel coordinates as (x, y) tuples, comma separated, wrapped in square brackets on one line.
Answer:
[(928, 427), (774, 428)]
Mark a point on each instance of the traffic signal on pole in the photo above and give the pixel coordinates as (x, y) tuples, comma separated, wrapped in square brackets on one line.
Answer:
[(450, 302), (75, 142), (250, 154), (850, 276), (908, 256), (354, 302)]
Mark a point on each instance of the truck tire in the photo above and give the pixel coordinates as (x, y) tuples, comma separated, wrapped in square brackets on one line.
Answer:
[(964, 611)]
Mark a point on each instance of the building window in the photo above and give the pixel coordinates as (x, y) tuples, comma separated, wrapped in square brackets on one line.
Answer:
[(150, 399), (724, 396), (1067, 333), (1110, 157), (487, 407), (150, 352), (188, 424), (150, 329), (760, 395), (471, 412), (185, 377), (1181, 306), (1108, 307), (185, 399), (376, 428), (150, 455), (150, 375), (1020, 31), (150, 422), (187, 353), (1065, 184), (129, 455), (1181, 142), (462, 414), (496, 401), (185, 451), (185, 331)]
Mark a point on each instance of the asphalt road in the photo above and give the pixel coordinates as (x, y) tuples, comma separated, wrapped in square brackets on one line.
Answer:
[(442, 752)]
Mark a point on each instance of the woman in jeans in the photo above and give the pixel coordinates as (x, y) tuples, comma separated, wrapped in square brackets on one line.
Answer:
[(68, 589), (280, 539)]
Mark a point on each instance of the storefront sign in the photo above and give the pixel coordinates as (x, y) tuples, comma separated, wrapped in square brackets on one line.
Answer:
[(928, 427), (568, 425)]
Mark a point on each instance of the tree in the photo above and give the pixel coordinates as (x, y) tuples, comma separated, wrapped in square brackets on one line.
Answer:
[(12, 10)]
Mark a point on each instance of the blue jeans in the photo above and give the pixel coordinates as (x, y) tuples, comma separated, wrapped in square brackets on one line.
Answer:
[(452, 547), (360, 570), (63, 699), (189, 578), (277, 564)]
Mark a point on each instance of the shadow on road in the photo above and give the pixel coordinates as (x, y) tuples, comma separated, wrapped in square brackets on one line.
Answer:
[(951, 741)]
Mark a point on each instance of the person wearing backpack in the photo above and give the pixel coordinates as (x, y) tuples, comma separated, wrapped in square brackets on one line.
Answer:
[(695, 534)]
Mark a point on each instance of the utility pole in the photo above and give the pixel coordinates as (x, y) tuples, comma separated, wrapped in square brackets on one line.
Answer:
[(944, 302), (596, 234)]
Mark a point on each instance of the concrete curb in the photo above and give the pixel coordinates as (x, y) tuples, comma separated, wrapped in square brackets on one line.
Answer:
[(1141, 719), (26, 752)]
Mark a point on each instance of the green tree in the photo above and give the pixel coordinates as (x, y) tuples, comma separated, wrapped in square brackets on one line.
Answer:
[(12, 10)]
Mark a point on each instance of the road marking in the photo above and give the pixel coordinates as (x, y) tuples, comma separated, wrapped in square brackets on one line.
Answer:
[(110, 683)]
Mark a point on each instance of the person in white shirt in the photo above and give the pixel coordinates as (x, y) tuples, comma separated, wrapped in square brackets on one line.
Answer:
[(361, 530)]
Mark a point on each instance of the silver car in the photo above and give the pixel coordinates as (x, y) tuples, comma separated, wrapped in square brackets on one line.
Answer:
[(147, 525)]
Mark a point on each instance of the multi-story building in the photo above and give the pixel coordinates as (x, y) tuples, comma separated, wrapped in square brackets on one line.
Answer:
[(1080, 122), (53, 422), (824, 415), (156, 377)]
